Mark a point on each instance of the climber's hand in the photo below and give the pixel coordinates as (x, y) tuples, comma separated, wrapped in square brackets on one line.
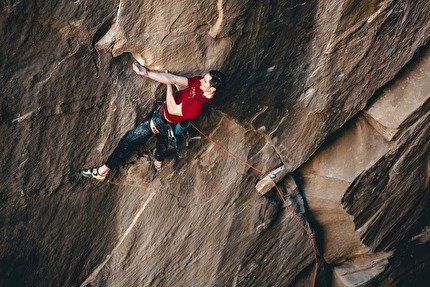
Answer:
[(139, 69)]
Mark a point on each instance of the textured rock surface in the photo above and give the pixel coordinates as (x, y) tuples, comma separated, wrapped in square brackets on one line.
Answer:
[(378, 168), (298, 71), (201, 232)]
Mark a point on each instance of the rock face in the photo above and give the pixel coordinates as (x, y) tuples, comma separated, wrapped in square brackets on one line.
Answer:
[(379, 188), (326, 89)]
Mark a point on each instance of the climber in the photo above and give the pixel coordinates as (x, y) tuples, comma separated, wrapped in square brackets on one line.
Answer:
[(172, 117)]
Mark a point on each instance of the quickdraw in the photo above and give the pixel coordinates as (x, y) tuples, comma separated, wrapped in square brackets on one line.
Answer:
[(173, 141)]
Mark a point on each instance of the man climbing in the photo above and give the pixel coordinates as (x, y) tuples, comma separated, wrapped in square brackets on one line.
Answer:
[(171, 117)]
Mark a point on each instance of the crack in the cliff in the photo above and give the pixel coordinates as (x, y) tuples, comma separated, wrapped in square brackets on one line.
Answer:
[(100, 32)]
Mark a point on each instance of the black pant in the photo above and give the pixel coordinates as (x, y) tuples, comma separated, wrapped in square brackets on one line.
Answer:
[(139, 136)]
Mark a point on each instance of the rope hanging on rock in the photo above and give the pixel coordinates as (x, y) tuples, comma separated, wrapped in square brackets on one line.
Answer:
[(308, 232)]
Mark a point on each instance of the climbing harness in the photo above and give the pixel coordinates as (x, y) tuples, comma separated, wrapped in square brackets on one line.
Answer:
[(173, 141), (292, 212)]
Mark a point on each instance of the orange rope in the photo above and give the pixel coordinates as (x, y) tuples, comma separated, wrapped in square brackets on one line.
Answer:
[(308, 232)]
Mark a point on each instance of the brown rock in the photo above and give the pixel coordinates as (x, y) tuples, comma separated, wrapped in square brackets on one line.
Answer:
[(377, 168), (297, 73)]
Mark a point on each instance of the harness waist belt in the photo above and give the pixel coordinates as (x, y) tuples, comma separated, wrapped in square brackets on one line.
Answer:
[(163, 118)]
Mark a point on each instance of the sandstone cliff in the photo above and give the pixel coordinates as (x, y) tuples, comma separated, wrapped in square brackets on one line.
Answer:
[(336, 92)]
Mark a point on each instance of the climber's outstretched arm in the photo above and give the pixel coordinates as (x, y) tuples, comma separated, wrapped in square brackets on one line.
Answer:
[(162, 77)]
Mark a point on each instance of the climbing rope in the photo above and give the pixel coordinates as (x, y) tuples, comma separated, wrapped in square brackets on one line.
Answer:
[(299, 222)]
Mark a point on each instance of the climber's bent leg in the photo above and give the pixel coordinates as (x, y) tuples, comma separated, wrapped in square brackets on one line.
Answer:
[(128, 144)]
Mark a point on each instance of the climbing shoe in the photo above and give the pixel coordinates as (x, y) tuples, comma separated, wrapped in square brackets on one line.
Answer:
[(157, 165), (94, 173)]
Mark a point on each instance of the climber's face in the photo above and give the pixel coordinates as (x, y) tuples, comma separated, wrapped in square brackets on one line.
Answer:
[(205, 85)]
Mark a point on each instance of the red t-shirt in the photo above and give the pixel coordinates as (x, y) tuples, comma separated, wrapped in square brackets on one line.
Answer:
[(192, 100)]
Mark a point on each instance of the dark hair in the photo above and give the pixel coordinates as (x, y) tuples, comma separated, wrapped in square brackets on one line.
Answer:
[(217, 80)]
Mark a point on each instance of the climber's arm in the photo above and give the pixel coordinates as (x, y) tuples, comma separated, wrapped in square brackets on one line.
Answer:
[(162, 77)]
